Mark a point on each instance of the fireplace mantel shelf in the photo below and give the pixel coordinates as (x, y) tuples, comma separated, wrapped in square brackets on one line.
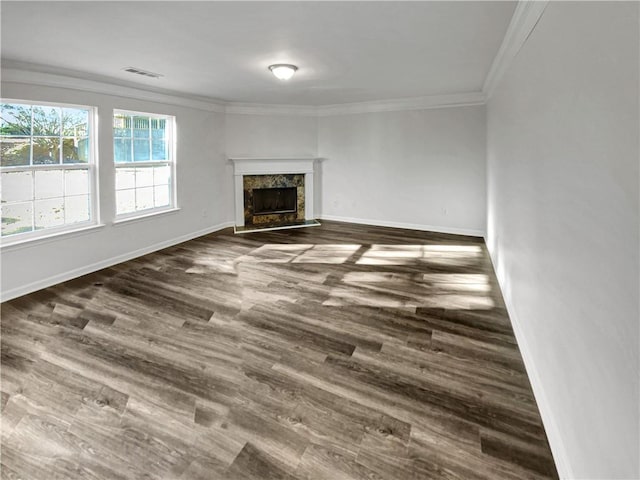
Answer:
[(268, 159)]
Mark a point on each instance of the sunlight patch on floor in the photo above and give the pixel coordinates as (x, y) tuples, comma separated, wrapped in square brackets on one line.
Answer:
[(407, 254), (321, 253)]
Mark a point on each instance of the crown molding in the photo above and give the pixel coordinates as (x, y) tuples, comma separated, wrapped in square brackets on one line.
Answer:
[(50, 79), (524, 20), (403, 104), (270, 109), (393, 105)]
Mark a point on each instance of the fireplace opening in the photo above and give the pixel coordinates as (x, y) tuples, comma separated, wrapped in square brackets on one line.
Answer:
[(267, 201)]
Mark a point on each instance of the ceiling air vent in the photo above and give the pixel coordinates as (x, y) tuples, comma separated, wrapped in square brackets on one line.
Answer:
[(144, 73)]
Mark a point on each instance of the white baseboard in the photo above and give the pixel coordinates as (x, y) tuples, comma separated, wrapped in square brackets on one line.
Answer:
[(94, 267), (408, 226), (558, 449)]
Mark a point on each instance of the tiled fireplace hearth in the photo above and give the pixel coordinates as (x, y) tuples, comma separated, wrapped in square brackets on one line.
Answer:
[(273, 193)]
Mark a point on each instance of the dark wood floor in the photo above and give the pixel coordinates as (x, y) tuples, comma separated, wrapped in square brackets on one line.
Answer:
[(333, 352)]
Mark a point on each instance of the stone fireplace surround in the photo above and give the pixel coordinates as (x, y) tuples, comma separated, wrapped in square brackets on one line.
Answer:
[(253, 172)]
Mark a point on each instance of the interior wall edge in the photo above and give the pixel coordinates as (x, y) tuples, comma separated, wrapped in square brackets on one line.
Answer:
[(554, 436), (109, 262), (524, 20)]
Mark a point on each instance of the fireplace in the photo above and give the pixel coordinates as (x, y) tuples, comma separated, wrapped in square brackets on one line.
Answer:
[(275, 200), (273, 193)]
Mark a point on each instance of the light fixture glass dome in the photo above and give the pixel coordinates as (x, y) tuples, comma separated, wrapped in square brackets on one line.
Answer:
[(283, 71)]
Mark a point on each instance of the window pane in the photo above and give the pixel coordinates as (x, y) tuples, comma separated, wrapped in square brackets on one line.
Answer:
[(122, 150), (144, 176), (75, 150), (125, 201), (46, 150), (144, 198), (16, 186), (15, 151), (75, 122), (83, 150), (162, 175), (76, 209), (16, 218), (158, 126), (49, 184), (46, 120), (161, 195), (76, 182), (141, 127), (15, 119), (49, 213), (141, 150), (158, 135), (121, 125), (125, 178), (159, 150)]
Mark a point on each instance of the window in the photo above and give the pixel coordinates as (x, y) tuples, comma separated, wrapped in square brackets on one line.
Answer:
[(143, 155), (47, 168)]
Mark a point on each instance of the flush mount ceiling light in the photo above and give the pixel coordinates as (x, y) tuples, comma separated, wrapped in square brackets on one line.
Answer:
[(283, 71)]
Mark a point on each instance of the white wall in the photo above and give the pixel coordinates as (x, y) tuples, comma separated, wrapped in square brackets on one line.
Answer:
[(421, 168), (204, 195), (563, 228), (271, 135)]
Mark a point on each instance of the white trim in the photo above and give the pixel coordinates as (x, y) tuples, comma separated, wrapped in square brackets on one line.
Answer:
[(52, 236), (390, 105), (146, 216), (264, 159), (524, 19), (65, 80), (269, 166), (404, 104), (71, 274), (558, 449), (239, 108), (409, 226)]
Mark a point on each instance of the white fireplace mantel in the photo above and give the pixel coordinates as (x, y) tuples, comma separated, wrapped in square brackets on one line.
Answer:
[(272, 166)]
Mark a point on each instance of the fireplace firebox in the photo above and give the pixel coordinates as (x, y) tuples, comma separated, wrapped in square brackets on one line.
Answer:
[(269, 201)]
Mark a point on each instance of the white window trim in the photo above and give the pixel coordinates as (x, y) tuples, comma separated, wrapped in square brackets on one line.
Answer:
[(149, 214), (171, 149), (91, 166), (50, 237)]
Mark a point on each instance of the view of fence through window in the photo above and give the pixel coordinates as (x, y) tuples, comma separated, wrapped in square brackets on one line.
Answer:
[(45, 167), (143, 161)]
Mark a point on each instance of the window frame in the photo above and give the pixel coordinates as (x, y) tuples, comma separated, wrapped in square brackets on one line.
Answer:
[(170, 132), (91, 166)]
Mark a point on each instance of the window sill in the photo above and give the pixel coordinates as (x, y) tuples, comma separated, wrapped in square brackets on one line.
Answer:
[(145, 216), (11, 245)]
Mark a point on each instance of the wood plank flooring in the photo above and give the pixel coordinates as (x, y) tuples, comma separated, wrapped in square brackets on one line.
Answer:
[(335, 352)]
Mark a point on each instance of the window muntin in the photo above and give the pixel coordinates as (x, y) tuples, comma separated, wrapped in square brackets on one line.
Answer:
[(143, 156), (47, 169)]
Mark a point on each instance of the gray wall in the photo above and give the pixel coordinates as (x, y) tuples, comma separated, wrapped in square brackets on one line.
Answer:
[(563, 212), (271, 135), (420, 168)]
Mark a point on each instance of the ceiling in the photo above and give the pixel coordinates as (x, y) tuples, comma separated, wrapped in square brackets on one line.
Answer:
[(346, 51)]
